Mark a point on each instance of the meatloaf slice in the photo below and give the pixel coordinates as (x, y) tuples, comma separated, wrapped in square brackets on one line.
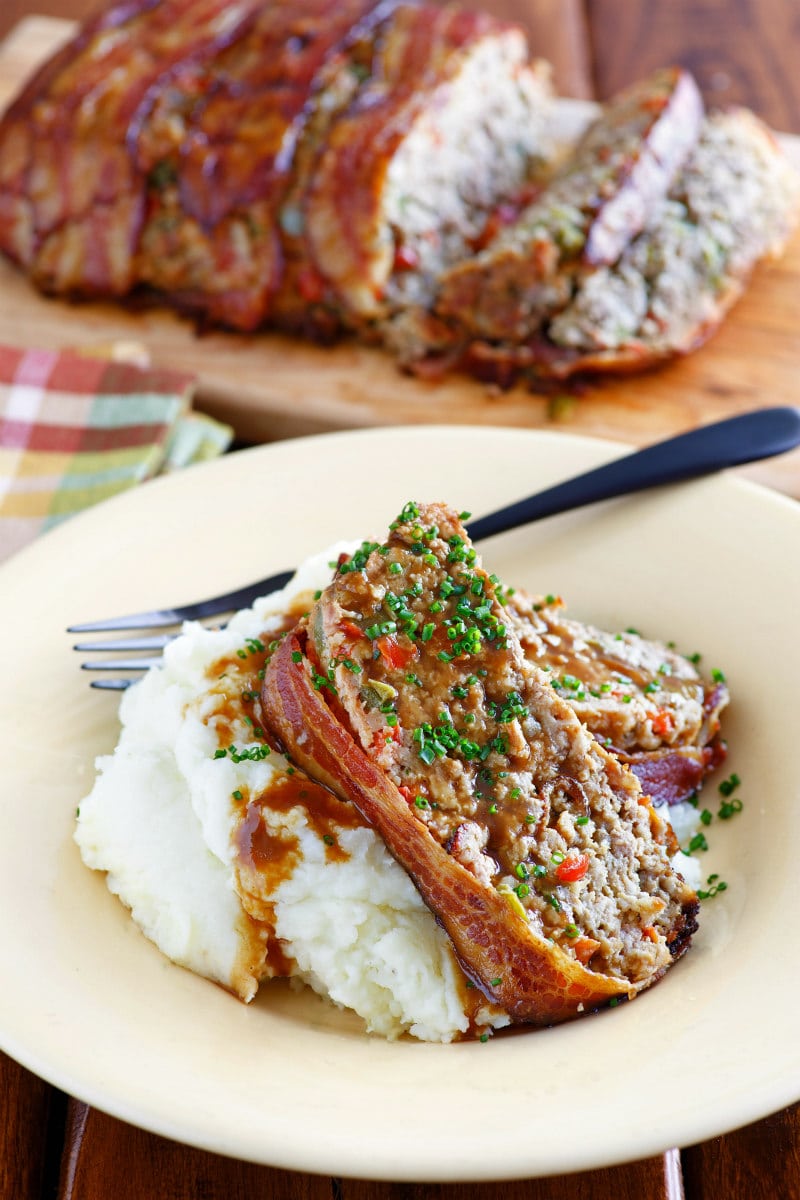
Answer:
[(736, 201), (641, 699), (450, 121), (407, 691), (600, 199)]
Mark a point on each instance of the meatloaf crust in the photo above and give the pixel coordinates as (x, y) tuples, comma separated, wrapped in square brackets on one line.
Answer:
[(407, 692), (384, 168), (222, 146), (72, 194), (449, 122)]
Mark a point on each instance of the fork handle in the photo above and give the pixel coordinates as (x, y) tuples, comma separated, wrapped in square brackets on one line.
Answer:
[(729, 443), (754, 435)]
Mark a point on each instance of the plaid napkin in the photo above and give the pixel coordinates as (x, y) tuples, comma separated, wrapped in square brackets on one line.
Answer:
[(75, 430)]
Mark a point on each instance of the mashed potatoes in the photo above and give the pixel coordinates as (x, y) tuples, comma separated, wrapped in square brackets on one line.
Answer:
[(241, 869), (239, 891)]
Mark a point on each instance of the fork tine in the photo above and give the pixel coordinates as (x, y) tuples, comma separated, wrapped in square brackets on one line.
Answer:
[(111, 685), (156, 619), (122, 664), (157, 642), (160, 617)]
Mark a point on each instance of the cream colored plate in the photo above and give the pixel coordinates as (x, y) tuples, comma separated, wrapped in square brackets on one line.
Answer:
[(90, 1005)]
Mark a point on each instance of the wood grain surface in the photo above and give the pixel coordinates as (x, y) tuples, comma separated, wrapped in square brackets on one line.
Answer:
[(737, 49), (31, 1133), (101, 1151), (109, 1159), (741, 50), (106, 1158), (760, 1162)]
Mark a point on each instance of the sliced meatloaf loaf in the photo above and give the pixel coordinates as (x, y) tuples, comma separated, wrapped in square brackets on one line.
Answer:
[(301, 162), (641, 699), (407, 691), (735, 201), (599, 200)]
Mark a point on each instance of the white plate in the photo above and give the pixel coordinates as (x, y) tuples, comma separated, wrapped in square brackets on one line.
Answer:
[(94, 1008)]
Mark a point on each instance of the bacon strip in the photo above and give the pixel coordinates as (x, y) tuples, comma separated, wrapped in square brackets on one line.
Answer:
[(673, 775), (422, 53), (229, 134), (75, 198)]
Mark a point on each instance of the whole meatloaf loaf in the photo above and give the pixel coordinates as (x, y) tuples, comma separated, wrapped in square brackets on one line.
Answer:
[(407, 692), (310, 163)]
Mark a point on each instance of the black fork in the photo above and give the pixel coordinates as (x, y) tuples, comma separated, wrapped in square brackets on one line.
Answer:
[(729, 443)]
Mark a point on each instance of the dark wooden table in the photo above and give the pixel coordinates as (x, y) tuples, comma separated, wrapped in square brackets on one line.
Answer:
[(54, 1147)]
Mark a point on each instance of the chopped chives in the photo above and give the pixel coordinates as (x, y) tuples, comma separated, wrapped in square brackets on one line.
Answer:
[(728, 786)]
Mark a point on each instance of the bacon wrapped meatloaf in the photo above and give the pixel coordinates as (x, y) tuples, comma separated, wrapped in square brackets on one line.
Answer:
[(646, 703), (310, 163), (384, 168), (599, 200), (407, 692)]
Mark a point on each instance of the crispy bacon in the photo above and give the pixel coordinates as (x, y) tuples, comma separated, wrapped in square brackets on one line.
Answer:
[(232, 157), (344, 203), (675, 774), (240, 121), (158, 145), (72, 183)]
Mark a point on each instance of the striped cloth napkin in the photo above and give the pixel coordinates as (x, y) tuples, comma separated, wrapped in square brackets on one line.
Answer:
[(75, 430)]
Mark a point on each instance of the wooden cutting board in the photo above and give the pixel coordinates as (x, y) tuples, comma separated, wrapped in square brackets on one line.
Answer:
[(269, 386)]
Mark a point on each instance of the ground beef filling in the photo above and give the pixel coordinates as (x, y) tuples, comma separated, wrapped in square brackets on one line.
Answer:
[(429, 675), (633, 694)]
